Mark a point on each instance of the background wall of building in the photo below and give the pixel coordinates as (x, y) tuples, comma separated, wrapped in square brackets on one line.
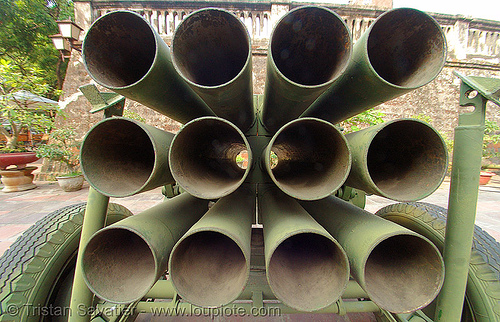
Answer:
[(473, 49)]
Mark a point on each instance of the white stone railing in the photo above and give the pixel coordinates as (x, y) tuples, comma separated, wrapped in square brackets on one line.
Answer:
[(483, 43), (468, 39), (165, 21)]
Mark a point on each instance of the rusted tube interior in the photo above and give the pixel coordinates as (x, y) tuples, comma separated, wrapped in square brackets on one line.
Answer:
[(209, 269), (118, 157), (119, 49), (406, 48), (203, 157), (308, 271), (311, 46), (115, 260), (313, 159), (403, 273), (210, 47), (407, 160)]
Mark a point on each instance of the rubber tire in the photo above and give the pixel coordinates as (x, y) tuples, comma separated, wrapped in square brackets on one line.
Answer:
[(36, 271), (483, 284)]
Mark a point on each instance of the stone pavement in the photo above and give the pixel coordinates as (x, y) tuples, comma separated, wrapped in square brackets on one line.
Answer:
[(20, 210)]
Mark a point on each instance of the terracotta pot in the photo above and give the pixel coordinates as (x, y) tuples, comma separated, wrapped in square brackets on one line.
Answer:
[(20, 159), (17, 180), (485, 177), (70, 183)]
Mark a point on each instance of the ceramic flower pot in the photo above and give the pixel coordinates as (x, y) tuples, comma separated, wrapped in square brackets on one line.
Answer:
[(19, 159), (485, 177), (15, 180), (70, 183)]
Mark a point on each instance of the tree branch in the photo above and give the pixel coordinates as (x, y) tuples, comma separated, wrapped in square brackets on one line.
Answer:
[(4, 132)]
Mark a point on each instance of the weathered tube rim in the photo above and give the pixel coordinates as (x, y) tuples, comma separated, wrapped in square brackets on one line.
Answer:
[(402, 55), (307, 168), (407, 160), (202, 75), (403, 272), (202, 157), (119, 265), (120, 49), (336, 57), (208, 268), (118, 157), (308, 271)]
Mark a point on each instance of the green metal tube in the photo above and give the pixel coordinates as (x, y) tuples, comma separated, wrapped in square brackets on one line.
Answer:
[(210, 265), (462, 203), (123, 261), (400, 270), (202, 157), (211, 50), (121, 157), (403, 160), (313, 159), (306, 268), (258, 173), (163, 289), (402, 50), (309, 49), (122, 52), (95, 219)]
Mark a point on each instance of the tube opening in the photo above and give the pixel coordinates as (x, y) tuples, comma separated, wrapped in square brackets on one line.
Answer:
[(407, 160), (404, 273), (119, 49), (117, 157), (203, 158), (313, 159), (242, 159), (308, 271), (406, 47), (311, 46), (209, 269), (210, 47), (118, 265)]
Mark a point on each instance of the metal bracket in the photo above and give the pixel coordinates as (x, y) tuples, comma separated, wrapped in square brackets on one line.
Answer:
[(257, 299), (341, 307), (489, 88), (112, 103), (175, 304), (464, 185)]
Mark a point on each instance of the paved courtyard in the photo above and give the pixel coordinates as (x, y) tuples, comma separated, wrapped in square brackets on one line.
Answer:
[(20, 210)]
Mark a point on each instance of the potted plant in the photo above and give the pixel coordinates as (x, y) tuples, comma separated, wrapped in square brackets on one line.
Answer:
[(64, 149), (491, 151), (22, 109)]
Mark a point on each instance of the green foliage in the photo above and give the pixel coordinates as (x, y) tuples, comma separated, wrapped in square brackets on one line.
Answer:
[(24, 29), (240, 159), (363, 120), (18, 114), (448, 142), (62, 147), (133, 115), (491, 138), (9, 150)]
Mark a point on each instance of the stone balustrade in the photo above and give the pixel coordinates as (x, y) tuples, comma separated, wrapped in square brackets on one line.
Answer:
[(470, 40)]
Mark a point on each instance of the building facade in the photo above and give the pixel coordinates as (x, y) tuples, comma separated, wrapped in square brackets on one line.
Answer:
[(473, 49)]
